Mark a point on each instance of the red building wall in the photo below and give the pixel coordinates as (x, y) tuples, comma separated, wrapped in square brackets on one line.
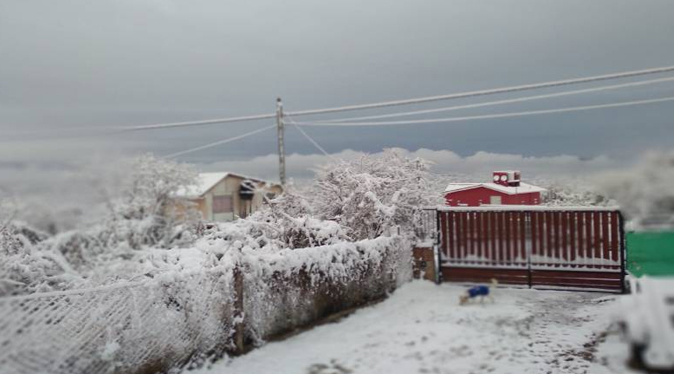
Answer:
[(481, 196)]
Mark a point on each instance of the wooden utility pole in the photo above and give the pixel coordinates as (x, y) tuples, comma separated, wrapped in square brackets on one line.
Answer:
[(281, 142)]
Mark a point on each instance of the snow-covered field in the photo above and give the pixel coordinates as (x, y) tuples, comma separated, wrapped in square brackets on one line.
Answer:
[(421, 329)]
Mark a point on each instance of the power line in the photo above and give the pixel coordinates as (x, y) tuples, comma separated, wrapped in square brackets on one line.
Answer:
[(310, 139), (566, 82), (383, 104), (198, 123), (220, 142), (500, 102), (489, 116)]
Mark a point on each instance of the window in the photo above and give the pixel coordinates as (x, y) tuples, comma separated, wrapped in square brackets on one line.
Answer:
[(495, 200), (222, 204)]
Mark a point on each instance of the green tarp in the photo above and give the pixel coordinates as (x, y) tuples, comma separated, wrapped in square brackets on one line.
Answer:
[(650, 253)]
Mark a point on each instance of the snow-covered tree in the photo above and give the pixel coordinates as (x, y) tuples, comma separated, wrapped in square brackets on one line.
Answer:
[(146, 212), (141, 213), (371, 195), (644, 191)]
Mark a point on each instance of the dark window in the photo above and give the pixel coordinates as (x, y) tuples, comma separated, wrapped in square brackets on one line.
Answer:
[(222, 204)]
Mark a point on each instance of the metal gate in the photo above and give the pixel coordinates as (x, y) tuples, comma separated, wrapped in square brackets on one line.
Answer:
[(538, 247)]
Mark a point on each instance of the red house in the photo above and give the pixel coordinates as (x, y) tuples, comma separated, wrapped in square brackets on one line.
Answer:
[(506, 189)]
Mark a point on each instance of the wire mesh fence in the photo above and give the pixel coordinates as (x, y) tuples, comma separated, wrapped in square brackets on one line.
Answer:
[(138, 327)]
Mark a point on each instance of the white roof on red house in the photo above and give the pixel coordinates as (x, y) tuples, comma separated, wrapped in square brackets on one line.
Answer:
[(522, 188)]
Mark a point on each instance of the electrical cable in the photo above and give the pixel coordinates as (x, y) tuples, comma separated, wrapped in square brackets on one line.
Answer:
[(501, 102), (490, 116), (383, 104), (220, 142), (309, 138)]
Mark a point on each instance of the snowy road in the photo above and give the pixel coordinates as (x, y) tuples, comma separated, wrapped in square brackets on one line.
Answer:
[(421, 329)]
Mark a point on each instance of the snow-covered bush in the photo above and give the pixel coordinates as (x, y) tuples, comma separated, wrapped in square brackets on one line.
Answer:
[(371, 195), (24, 268), (270, 231), (289, 222), (573, 193)]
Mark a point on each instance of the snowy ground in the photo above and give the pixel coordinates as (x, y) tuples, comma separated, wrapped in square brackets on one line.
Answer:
[(421, 329)]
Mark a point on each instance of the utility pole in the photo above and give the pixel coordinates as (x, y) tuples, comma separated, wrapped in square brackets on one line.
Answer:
[(281, 142)]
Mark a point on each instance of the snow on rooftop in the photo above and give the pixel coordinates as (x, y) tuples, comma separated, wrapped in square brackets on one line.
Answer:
[(205, 181), (461, 186), (522, 188)]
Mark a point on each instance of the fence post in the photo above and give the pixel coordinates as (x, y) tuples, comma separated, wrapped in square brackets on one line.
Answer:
[(238, 309), (529, 216), (437, 242), (623, 253)]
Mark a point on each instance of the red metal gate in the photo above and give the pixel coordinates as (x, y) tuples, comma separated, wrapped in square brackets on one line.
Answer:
[(541, 247)]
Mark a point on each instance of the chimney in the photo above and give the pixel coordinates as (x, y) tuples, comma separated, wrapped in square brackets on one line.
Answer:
[(508, 178)]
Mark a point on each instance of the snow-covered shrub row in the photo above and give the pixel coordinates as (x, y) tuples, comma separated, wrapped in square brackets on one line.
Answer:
[(281, 225), (290, 288)]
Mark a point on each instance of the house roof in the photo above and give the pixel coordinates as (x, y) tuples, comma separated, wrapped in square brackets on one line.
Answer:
[(522, 188), (206, 181)]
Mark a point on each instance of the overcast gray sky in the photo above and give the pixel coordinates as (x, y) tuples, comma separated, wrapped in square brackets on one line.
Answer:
[(71, 66)]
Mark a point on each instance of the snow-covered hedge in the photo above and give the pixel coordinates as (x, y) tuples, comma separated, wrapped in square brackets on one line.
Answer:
[(291, 288), (186, 310)]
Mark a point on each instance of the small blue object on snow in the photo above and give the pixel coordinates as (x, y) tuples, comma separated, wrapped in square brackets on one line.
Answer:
[(478, 291)]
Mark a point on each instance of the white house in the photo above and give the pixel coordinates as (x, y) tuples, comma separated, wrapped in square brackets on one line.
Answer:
[(224, 196)]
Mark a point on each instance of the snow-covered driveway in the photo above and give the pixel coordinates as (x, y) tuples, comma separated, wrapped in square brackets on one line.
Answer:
[(421, 329)]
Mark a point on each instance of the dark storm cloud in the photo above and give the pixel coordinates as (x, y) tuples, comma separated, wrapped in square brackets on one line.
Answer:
[(70, 65)]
